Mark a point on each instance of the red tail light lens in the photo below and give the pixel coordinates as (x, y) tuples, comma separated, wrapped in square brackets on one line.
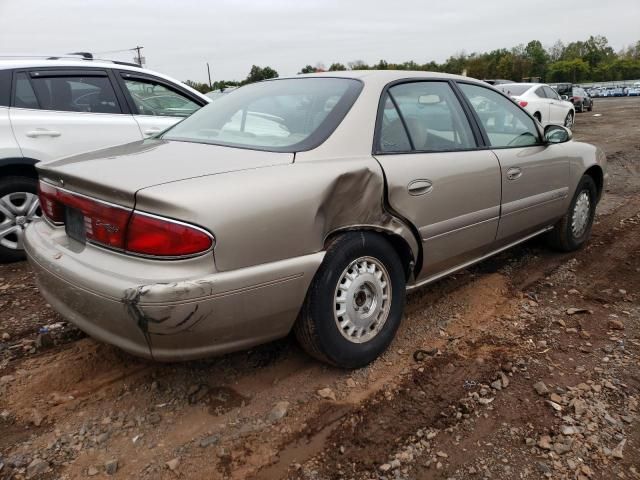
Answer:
[(51, 207), (150, 235), (125, 229), (104, 223), (522, 103)]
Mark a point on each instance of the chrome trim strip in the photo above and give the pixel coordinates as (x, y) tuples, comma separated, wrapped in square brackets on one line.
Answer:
[(438, 276)]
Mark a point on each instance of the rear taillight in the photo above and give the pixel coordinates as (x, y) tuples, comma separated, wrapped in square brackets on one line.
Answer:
[(125, 229), (156, 236), (51, 207), (522, 103), (104, 223)]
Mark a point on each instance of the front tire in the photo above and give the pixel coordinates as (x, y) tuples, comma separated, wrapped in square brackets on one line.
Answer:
[(574, 229), (568, 120), (355, 302), (19, 206)]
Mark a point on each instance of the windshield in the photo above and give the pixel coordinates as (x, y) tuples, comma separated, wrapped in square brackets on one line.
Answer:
[(513, 90), (280, 115)]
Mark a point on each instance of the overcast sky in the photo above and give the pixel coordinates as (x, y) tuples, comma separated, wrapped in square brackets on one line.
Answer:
[(180, 36)]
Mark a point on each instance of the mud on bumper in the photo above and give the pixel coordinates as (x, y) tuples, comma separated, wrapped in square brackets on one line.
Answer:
[(178, 315)]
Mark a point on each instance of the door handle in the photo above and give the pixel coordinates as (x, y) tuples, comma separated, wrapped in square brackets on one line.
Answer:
[(152, 131), (514, 173), (419, 187), (42, 132)]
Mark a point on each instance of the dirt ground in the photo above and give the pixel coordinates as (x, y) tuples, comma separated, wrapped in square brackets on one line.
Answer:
[(526, 366)]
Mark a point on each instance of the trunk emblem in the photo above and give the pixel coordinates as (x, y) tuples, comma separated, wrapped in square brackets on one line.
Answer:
[(108, 226)]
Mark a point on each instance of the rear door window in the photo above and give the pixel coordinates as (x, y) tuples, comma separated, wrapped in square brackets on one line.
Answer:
[(24, 96), (90, 94), (432, 116), (153, 98)]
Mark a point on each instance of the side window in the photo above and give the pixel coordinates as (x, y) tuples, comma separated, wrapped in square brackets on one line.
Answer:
[(92, 94), (393, 136), (433, 116), (152, 98), (551, 93), (506, 125), (540, 92), (25, 97)]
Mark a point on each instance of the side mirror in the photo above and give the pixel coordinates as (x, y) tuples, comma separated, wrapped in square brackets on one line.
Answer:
[(557, 134), (564, 97)]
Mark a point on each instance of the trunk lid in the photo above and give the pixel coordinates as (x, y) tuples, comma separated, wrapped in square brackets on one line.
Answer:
[(115, 174)]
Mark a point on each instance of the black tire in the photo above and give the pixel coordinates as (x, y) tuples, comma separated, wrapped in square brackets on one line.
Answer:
[(10, 185), (317, 330), (562, 237), (590, 108)]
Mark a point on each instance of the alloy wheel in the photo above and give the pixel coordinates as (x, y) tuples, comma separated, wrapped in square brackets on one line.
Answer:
[(17, 210)]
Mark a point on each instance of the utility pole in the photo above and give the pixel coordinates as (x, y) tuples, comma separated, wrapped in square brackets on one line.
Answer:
[(139, 57), (209, 73)]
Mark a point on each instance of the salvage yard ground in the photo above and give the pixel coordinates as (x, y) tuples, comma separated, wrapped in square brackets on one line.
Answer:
[(526, 366)]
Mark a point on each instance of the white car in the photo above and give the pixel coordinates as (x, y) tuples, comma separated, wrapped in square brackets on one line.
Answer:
[(53, 108), (542, 102)]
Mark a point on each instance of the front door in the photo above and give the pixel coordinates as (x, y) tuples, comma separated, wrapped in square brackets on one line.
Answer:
[(56, 113), (534, 175), (436, 176)]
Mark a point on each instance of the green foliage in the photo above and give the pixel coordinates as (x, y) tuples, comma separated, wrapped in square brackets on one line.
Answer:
[(257, 74), (592, 59)]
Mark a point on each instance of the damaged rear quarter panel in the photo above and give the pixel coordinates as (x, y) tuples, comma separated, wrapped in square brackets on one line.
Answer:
[(268, 214)]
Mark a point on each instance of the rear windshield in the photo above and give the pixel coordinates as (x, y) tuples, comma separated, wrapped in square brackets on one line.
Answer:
[(513, 90), (287, 115)]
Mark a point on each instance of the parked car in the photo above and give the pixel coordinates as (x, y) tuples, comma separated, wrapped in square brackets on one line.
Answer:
[(581, 100), (59, 107), (214, 94), (594, 92), (633, 91), (542, 102), (617, 92), (221, 236), (497, 81)]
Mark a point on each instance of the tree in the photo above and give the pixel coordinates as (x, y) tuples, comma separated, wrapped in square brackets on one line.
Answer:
[(337, 67), (307, 69), (572, 71), (257, 74), (199, 86), (538, 57)]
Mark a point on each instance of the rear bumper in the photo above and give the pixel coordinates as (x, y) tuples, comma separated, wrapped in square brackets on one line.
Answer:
[(167, 310)]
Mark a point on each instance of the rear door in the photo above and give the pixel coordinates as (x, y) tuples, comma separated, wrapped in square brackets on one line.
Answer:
[(535, 176), (60, 112), (437, 177), (157, 104), (544, 105), (558, 109)]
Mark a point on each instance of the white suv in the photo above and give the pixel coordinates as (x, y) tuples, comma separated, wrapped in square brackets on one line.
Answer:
[(52, 108)]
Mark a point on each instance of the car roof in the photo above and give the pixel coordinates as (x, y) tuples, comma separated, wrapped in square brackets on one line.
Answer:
[(385, 76), (80, 63)]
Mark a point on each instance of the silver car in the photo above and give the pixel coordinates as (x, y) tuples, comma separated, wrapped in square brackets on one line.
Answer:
[(309, 203)]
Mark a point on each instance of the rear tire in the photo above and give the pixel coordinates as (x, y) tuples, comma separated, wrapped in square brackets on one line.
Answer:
[(574, 228), (355, 302), (18, 207)]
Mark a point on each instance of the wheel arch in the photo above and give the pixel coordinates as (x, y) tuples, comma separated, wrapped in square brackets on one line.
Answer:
[(596, 173), (398, 242), (18, 166)]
